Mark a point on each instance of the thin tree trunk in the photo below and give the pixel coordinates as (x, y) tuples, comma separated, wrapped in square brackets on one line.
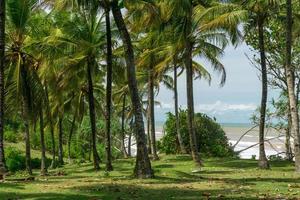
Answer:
[(26, 104), (43, 147), (148, 130), (190, 96), (53, 162), (109, 166), (143, 166), (92, 115), (288, 147), (182, 148), (262, 162), (2, 63), (60, 142), (70, 136), (129, 138), (291, 85), (151, 113), (123, 128)]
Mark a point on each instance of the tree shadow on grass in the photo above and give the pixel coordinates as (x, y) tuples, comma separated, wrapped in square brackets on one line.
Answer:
[(123, 191)]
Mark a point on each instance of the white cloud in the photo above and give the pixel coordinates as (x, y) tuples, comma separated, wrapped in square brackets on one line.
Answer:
[(216, 107), (219, 106)]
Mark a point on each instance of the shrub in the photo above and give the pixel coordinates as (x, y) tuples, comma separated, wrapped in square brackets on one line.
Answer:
[(14, 159), (211, 138), (11, 136)]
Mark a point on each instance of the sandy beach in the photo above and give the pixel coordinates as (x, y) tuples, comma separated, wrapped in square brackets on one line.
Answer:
[(273, 146)]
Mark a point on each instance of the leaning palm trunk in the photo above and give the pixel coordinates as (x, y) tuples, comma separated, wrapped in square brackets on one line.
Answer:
[(190, 95), (2, 60), (143, 166), (43, 147), (25, 106), (60, 142), (151, 113), (92, 115), (109, 166), (291, 86), (263, 162), (182, 148)]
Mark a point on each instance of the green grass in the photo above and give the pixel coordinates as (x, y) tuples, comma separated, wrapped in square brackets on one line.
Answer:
[(219, 179)]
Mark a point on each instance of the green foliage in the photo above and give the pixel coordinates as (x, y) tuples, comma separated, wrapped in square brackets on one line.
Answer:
[(11, 136), (14, 159), (211, 138)]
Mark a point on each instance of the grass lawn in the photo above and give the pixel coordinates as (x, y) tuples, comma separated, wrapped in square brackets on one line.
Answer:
[(219, 179)]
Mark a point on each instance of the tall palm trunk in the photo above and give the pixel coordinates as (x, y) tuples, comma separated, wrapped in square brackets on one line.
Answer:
[(43, 147), (109, 166), (182, 148), (49, 116), (190, 96), (60, 142), (291, 85), (70, 136), (92, 114), (25, 108), (151, 112), (263, 162), (123, 149), (143, 166), (2, 60)]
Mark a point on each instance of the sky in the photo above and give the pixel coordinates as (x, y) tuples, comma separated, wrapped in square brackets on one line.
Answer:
[(235, 102)]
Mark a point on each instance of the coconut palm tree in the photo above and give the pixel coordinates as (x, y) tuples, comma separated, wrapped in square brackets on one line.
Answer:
[(22, 63), (143, 166), (258, 14), (2, 61)]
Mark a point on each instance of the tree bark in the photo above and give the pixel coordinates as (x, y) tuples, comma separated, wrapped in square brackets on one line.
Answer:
[(181, 145), (60, 142), (70, 136), (92, 114), (288, 147), (25, 106), (109, 166), (188, 58), (291, 85), (53, 162), (2, 89), (151, 112), (143, 166), (262, 162), (123, 128), (148, 130), (43, 147)]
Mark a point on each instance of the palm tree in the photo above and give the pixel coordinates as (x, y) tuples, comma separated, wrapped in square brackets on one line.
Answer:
[(143, 166), (109, 166), (2, 61), (259, 12), (290, 83), (22, 64), (43, 148)]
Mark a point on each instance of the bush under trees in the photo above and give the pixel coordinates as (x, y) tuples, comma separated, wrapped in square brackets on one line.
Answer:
[(211, 138)]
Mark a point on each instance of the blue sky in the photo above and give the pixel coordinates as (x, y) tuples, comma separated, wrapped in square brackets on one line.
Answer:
[(235, 102)]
